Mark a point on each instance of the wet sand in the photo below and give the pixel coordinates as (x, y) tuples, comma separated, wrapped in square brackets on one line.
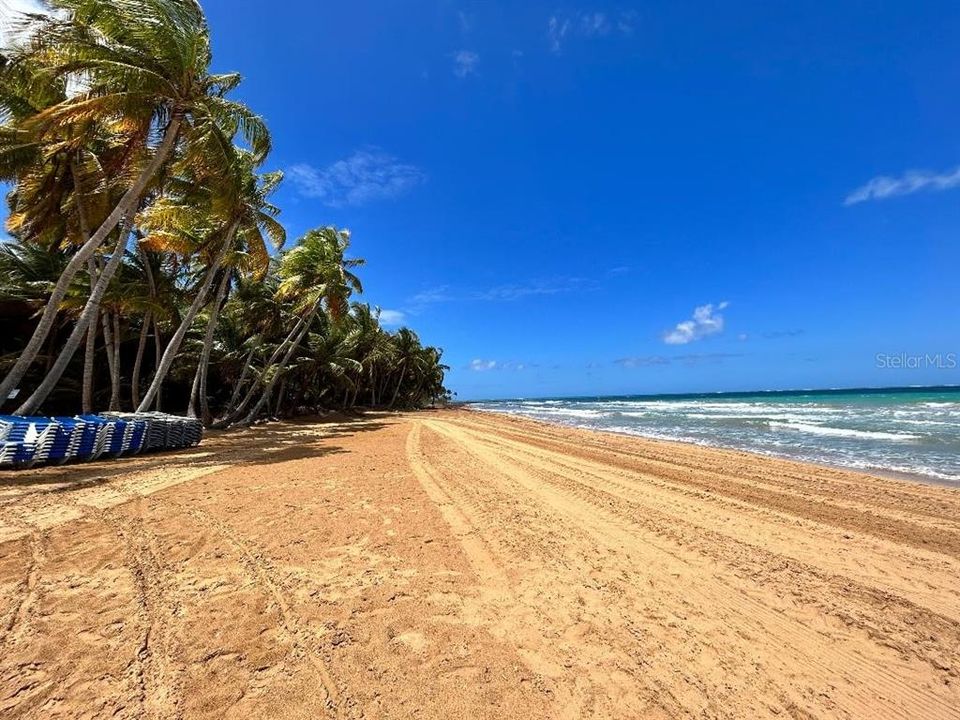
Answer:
[(464, 565)]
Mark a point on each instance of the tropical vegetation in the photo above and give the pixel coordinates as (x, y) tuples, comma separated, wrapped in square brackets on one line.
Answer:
[(147, 266)]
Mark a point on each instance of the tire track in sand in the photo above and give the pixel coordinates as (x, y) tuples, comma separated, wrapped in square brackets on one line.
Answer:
[(259, 569), (743, 543), (28, 591), (158, 666), (862, 678), (843, 499), (577, 676)]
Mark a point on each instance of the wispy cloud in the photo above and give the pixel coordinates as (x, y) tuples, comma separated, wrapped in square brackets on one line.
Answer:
[(779, 334), (555, 286), (500, 293), (465, 63), (561, 27), (706, 321), (884, 186), (432, 296), (645, 361), (479, 365), (557, 30), (467, 21), (392, 318), (366, 175)]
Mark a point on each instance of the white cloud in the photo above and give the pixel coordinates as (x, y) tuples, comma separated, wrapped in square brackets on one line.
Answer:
[(479, 365), (501, 293), (561, 27), (706, 321), (430, 296), (465, 63), (367, 175), (647, 361), (557, 30), (392, 318), (594, 24), (884, 186), (627, 21), (555, 286)]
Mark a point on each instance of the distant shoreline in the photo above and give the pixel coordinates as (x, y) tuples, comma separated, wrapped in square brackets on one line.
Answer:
[(873, 472), (720, 394), (906, 433)]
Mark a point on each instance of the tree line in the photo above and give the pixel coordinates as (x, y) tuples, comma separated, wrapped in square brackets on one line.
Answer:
[(139, 274)]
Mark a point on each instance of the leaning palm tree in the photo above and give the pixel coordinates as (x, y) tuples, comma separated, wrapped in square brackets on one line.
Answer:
[(408, 359), (147, 63), (257, 216), (243, 214), (313, 275)]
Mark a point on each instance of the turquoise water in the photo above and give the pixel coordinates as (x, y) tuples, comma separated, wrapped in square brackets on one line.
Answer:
[(894, 430)]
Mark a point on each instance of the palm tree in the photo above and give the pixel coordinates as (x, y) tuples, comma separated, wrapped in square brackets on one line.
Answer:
[(111, 125), (240, 206), (146, 63), (313, 274), (408, 356)]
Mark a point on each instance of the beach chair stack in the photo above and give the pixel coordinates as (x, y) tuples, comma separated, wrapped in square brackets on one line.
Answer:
[(66, 441), (29, 441), (171, 431), (26, 441)]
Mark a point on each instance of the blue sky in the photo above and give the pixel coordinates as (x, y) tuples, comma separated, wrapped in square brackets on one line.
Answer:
[(660, 197)]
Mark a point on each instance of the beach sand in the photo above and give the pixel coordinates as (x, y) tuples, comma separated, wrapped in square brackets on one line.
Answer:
[(455, 564)]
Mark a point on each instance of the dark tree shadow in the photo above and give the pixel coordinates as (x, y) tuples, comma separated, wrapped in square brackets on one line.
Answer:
[(265, 444)]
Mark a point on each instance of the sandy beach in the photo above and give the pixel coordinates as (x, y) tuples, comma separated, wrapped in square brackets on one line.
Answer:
[(455, 564)]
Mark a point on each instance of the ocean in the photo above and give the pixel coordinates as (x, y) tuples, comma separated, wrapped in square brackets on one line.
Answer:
[(912, 431)]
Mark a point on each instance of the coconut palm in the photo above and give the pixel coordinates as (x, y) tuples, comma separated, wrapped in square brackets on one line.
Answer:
[(146, 64), (239, 208), (314, 274), (112, 128)]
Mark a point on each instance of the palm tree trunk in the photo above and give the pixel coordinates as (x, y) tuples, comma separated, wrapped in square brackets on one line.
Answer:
[(108, 341), (194, 391), (280, 392), (51, 346), (232, 414), (208, 345), (157, 340), (138, 361), (124, 209), (396, 393), (416, 393), (90, 348), (89, 352), (243, 377), (198, 301), (115, 382), (268, 390), (158, 355), (87, 316)]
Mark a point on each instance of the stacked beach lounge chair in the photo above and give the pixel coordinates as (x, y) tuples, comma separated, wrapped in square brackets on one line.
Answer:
[(29, 441)]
